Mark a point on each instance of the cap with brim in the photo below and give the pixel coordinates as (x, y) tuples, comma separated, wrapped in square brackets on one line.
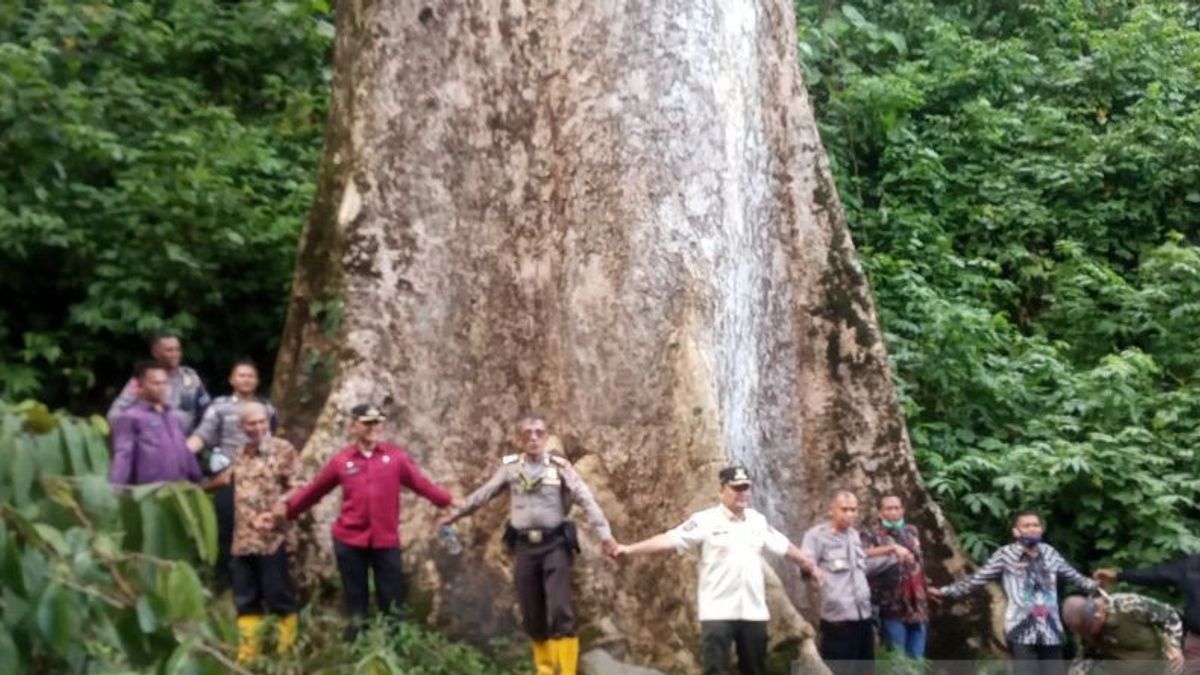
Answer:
[(734, 476), (364, 412)]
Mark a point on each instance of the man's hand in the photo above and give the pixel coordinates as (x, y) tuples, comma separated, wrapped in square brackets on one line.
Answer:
[(902, 554), (610, 547), (445, 520), (1105, 575), (264, 521), (1175, 659), (935, 594)]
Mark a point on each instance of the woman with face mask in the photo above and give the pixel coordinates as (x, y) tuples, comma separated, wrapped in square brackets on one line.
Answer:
[(1029, 570)]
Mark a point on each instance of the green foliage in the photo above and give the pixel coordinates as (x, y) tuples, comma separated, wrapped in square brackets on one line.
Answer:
[(91, 580), (384, 650), (1021, 179), (159, 160), (97, 581)]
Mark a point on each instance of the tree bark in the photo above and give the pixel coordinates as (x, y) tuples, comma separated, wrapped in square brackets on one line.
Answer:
[(618, 212)]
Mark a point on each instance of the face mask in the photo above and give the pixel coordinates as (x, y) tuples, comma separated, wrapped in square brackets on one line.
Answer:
[(893, 524), (1030, 540)]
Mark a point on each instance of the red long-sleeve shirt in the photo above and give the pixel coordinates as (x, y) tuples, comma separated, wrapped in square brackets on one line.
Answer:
[(370, 515)]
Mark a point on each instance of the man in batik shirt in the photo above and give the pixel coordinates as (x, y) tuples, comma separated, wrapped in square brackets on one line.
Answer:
[(262, 476), (898, 591), (1028, 570)]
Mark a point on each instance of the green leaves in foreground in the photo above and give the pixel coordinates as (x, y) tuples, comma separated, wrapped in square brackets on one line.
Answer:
[(92, 580)]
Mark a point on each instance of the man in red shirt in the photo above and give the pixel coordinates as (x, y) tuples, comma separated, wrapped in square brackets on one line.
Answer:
[(366, 534)]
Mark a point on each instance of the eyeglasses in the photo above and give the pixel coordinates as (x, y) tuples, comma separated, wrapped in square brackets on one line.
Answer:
[(533, 432)]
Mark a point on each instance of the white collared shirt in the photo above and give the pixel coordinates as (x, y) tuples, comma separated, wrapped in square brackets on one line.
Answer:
[(731, 573)]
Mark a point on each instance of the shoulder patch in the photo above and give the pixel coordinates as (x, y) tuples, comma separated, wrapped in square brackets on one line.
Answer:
[(509, 459), (559, 460)]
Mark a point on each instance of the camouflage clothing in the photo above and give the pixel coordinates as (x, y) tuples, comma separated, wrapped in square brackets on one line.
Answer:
[(1136, 629), (262, 478)]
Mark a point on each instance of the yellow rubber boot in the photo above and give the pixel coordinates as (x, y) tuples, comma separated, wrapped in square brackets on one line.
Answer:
[(567, 652), (543, 657), (248, 644), (287, 633)]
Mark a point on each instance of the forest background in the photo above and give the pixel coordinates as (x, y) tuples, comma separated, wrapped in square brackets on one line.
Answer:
[(1022, 180)]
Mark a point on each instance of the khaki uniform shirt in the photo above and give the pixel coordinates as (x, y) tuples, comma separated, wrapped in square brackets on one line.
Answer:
[(262, 477), (541, 494), (845, 593)]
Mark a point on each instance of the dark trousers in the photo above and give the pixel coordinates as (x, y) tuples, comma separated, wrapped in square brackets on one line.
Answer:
[(262, 583), (543, 578), (1037, 659), (848, 647), (750, 638), (354, 563), (222, 499)]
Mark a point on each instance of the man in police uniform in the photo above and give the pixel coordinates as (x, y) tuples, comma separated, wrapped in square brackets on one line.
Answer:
[(186, 395), (732, 591), (221, 430), (543, 540)]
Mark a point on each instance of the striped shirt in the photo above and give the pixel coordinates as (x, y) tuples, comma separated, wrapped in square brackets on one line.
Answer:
[(1032, 616)]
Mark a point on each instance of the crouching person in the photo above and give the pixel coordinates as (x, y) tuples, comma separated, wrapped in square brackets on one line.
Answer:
[(262, 476)]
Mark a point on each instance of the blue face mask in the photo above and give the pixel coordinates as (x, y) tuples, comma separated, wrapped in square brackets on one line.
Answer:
[(1030, 540), (893, 524)]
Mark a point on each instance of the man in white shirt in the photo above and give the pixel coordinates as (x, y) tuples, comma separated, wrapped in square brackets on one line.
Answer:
[(733, 603)]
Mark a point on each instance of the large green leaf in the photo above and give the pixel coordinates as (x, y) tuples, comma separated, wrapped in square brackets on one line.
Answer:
[(11, 577), (184, 594), (10, 658), (97, 498), (71, 440), (23, 468), (96, 446), (54, 617)]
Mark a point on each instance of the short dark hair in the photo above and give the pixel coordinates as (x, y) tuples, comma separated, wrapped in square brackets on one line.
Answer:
[(162, 335), (143, 367), (249, 363), (1024, 513), (888, 495)]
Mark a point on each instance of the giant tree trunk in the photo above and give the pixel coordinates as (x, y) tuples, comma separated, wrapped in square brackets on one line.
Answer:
[(616, 212)]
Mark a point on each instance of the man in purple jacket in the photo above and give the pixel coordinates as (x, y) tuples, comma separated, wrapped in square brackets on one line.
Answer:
[(149, 442)]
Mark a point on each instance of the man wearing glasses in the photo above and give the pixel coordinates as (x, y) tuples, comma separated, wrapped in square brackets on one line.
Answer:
[(542, 540), (733, 603), (366, 534)]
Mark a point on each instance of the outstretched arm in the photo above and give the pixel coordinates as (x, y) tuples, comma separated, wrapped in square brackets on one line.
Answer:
[(993, 570), (583, 496), (486, 493), (656, 544)]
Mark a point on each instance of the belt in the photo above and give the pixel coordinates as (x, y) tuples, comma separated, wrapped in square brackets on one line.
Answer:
[(536, 535)]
